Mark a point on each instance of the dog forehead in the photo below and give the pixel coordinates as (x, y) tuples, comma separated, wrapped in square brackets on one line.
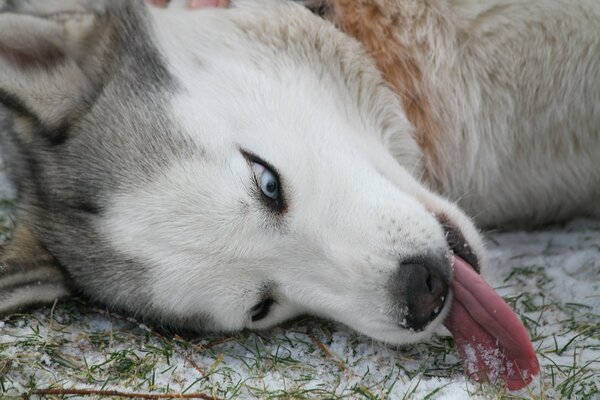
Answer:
[(262, 116), (273, 65)]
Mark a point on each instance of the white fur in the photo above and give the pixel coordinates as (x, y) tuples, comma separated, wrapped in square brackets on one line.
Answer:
[(348, 156), (353, 214)]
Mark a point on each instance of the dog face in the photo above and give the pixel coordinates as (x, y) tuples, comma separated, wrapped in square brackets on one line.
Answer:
[(255, 175)]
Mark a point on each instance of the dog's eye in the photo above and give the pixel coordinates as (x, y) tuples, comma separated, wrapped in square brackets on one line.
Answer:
[(261, 310), (268, 182)]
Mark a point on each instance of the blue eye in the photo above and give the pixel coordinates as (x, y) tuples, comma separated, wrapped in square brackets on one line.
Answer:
[(269, 185), (267, 181)]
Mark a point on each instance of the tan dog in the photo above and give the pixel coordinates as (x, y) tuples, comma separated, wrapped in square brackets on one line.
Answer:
[(504, 97)]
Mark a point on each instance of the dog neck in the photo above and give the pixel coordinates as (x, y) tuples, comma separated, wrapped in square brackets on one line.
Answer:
[(400, 58)]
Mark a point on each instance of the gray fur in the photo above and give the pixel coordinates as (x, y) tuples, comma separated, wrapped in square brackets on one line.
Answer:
[(118, 138)]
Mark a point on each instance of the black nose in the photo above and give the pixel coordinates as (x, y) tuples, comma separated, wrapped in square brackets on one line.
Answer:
[(421, 290)]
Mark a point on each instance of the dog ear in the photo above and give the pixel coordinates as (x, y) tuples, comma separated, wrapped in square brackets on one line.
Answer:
[(29, 275), (47, 58)]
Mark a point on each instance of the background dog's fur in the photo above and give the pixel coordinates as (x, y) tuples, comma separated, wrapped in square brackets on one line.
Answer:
[(504, 96)]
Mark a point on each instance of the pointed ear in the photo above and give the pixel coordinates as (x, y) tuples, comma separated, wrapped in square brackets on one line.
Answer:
[(48, 57), (29, 275)]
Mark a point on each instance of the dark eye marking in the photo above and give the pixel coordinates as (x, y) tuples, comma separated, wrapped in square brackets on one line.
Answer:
[(268, 182), (262, 309)]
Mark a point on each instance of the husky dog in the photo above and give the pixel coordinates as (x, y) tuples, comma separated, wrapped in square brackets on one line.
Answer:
[(230, 169)]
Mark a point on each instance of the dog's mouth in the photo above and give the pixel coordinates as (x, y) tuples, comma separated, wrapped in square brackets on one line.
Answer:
[(491, 339), (458, 245)]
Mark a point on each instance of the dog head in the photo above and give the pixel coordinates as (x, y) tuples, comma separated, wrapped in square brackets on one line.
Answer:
[(228, 169)]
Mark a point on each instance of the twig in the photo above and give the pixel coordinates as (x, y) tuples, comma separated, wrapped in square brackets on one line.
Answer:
[(212, 344), (328, 352), (52, 315), (107, 393), (188, 358), (186, 355)]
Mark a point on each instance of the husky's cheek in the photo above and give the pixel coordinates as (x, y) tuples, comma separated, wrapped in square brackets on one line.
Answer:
[(188, 249)]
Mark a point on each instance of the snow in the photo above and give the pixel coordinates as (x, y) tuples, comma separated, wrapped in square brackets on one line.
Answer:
[(552, 275)]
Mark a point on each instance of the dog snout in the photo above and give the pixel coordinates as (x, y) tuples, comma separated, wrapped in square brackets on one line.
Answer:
[(421, 287)]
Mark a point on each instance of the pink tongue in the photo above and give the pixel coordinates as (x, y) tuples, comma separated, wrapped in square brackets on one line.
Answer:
[(490, 338)]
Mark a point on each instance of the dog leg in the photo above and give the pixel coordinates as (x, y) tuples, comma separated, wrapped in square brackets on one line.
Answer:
[(29, 275)]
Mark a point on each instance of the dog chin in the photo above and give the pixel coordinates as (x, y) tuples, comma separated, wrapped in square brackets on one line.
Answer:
[(398, 336)]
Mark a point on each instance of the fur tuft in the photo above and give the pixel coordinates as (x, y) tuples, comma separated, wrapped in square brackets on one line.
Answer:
[(29, 275)]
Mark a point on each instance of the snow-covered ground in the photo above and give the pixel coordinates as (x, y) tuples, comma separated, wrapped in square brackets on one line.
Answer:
[(551, 277)]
